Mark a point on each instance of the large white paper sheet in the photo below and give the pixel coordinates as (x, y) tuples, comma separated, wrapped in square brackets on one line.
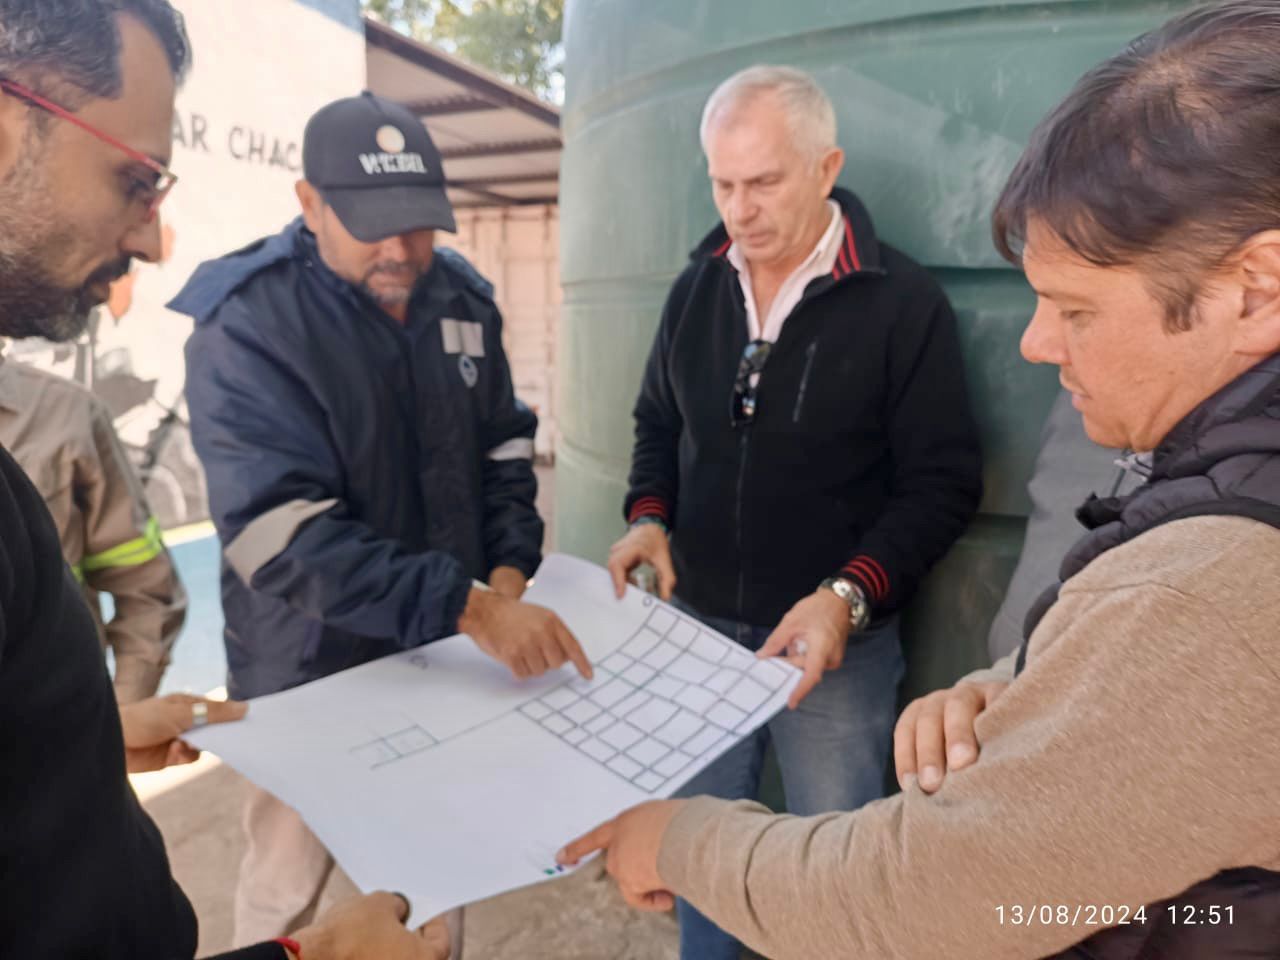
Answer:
[(434, 773)]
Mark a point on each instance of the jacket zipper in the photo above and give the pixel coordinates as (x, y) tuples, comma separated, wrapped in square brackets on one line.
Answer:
[(404, 345), (809, 353), (742, 475)]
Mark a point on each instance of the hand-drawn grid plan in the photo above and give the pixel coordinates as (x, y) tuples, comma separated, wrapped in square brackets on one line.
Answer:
[(436, 773), (674, 692)]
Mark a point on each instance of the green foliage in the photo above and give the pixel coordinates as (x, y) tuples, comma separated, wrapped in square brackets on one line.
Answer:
[(518, 40)]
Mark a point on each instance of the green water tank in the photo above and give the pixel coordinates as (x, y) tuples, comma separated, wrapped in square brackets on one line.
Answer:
[(935, 99)]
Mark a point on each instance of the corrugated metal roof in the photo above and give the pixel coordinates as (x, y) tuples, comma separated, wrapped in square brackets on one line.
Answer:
[(500, 143)]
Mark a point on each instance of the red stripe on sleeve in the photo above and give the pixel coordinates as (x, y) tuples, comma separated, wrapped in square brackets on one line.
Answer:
[(884, 577), (872, 573), (648, 507), (864, 579)]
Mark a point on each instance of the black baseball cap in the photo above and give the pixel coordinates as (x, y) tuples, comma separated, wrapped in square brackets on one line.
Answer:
[(374, 163)]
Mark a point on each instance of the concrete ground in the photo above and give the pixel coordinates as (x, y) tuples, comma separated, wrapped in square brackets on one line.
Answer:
[(579, 917)]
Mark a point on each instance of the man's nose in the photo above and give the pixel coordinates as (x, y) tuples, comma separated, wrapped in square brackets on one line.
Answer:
[(394, 248), (144, 241), (1042, 341)]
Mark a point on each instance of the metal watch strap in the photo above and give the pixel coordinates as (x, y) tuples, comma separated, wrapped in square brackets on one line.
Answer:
[(852, 594)]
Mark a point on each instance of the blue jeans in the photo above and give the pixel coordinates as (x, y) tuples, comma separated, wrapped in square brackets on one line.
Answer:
[(832, 750)]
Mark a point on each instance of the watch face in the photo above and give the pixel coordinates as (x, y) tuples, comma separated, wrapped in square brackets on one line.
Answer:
[(859, 610)]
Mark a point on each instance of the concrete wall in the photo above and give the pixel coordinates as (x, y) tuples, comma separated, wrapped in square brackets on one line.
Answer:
[(261, 68), (517, 248)]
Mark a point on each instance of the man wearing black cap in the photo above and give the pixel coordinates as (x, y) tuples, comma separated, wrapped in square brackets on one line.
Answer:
[(368, 461)]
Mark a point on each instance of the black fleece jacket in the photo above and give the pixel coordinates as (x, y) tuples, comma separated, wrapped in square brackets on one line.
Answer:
[(862, 460), (83, 871)]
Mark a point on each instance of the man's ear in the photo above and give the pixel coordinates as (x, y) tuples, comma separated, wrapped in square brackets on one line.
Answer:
[(312, 204), (1258, 272), (830, 165)]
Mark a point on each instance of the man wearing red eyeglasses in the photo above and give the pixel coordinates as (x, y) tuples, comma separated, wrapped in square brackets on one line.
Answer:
[(86, 111)]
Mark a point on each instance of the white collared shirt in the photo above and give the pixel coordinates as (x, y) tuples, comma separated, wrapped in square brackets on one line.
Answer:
[(821, 260)]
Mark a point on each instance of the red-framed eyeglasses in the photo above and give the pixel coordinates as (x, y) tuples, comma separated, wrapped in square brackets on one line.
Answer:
[(154, 193)]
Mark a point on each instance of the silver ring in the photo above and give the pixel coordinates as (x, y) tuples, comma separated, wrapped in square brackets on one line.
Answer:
[(802, 647), (199, 714), (408, 907)]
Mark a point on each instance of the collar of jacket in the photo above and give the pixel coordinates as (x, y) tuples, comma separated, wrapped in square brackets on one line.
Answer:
[(307, 251), (859, 253), (1221, 459), (216, 280), (1204, 436)]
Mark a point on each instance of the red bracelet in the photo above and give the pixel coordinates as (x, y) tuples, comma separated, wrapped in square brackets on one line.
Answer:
[(290, 945)]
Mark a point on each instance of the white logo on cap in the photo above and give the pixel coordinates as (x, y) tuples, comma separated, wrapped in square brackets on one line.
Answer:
[(389, 139), (379, 163)]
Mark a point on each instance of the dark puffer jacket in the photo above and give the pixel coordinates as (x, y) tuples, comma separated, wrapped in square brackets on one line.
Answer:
[(1222, 458)]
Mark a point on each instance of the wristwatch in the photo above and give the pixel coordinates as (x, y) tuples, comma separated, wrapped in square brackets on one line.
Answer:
[(850, 593)]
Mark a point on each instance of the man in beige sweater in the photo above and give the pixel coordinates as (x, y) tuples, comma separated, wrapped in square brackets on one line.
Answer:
[(1112, 787)]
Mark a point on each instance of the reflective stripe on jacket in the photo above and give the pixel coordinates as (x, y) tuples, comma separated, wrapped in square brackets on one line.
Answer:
[(63, 438), (361, 472)]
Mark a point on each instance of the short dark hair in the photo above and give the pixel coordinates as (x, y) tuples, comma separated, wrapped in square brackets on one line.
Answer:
[(1166, 156), (77, 42)]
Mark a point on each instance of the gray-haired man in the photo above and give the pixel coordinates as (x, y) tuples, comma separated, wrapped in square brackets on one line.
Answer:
[(804, 448)]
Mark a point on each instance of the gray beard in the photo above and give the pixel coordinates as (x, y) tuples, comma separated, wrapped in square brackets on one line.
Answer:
[(32, 307), (385, 300), (33, 303)]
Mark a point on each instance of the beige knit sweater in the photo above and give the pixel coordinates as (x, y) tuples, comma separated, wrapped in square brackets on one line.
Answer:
[(1137, 754)]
